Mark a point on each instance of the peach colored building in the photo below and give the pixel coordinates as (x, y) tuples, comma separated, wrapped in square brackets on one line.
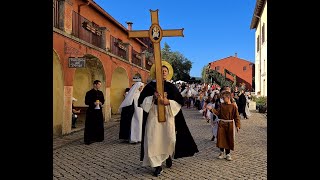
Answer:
[(243, 69), (90, 44)]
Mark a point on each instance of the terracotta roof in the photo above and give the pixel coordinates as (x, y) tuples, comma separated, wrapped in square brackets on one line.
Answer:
[(257, 12), (231, 57)]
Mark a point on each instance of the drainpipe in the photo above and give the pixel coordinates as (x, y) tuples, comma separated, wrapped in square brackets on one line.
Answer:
[(260, 42)]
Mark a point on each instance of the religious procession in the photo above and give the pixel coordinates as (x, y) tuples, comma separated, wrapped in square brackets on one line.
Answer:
[(127, 106)]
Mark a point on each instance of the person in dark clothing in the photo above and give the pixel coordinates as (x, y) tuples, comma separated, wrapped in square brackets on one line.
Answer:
[(94, 127), (242, 102)]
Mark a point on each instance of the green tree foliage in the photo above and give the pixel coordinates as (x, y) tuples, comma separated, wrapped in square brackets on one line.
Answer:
[(180, 64), (204, 75), (217, 77)]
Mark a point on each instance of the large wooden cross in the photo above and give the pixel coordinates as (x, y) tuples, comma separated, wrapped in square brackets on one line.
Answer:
[(155, 33)]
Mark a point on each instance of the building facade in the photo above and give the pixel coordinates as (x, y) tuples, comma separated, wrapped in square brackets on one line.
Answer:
[(89, 44), (259, 23), (243, 69)]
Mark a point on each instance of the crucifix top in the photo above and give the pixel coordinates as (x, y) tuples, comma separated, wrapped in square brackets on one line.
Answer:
[(155, 33)]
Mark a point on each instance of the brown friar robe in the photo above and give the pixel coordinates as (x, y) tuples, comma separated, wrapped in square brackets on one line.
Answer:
[(225, 134)]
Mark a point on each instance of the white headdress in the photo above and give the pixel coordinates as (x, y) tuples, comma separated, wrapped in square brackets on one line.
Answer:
[(129, 97)]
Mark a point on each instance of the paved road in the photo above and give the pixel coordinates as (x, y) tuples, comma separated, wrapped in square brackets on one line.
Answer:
[(112, 159)]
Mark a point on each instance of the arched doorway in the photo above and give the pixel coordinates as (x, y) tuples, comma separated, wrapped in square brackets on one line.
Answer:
[(82, 82), (58, 95), (119, 83)]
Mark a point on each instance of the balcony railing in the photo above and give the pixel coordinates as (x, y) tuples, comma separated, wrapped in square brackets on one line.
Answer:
[(118, 48), (136, 58), (88, 31)]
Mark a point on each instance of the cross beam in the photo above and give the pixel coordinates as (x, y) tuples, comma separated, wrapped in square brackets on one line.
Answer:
[(155, 33)]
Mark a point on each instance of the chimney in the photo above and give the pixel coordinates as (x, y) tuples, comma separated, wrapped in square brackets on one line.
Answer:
[(236, 55), (129, 25)]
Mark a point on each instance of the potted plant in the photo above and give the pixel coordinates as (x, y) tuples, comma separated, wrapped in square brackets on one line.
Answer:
[(261, 103)]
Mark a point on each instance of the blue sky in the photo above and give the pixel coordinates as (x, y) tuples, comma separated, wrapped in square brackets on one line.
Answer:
[(213, 29)]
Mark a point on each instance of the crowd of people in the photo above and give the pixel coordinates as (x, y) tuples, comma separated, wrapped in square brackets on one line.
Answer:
[(221, 107)]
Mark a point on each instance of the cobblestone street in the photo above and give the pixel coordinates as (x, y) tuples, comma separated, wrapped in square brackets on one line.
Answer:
[(112, 159)]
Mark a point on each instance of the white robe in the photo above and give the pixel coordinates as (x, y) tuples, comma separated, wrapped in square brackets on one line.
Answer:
[(160, 137), (136, 123)]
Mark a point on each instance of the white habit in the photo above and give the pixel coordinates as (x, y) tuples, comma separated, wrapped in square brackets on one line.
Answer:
[(136, 123), (160, 137)]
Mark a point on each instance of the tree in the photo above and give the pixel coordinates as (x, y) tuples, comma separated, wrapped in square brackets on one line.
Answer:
[(217, 77), (180, 64), (204, 74)]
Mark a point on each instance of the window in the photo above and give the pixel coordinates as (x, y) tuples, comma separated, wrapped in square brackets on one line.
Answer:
[(244, 68), (263, 33)]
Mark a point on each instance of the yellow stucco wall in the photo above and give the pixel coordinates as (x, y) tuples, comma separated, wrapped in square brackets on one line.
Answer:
[(81, 84), (58, 96), (119, 83)]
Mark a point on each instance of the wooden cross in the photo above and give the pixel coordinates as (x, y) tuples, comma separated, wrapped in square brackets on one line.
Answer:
[(155, 33)]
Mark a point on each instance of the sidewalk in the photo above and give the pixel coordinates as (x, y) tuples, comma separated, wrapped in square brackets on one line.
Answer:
[(77, 134)]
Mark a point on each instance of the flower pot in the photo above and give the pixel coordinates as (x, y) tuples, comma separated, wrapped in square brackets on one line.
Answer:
[(262, 109)]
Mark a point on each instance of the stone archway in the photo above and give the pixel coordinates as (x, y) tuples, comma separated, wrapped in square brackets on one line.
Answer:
[(119, 83), (58, 95), (83, 79)]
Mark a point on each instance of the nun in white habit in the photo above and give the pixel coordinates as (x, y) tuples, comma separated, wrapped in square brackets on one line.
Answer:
[(136, 121)]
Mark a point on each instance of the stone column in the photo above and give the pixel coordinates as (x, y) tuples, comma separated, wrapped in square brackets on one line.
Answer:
[(107, 107), (67, 114), (143, 59), (129, 48), (65, 15), (103, 38)]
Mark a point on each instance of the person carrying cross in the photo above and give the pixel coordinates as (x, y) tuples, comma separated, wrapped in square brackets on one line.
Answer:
[(163, 140)]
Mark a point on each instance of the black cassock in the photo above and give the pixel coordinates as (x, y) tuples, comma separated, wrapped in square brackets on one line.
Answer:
[(125, 121), (94, 127), (185, 145), (242, 102)]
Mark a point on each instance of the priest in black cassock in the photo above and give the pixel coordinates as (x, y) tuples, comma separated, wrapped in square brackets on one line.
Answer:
[(164, 140), (94, 125)]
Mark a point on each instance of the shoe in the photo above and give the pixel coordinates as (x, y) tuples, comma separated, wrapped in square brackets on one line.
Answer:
[(228, 157), (169, 162), (87, 143), (221, 155), (157, 172), (74, 127), (212, 139)]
